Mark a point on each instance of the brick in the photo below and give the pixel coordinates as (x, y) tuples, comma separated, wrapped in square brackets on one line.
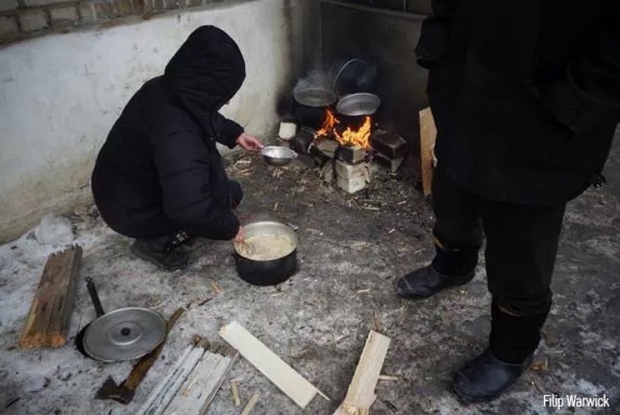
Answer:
[(193, 3), (8, 24), (351, 171), (327, 172), (388, 144), (392, 164), (353, 155), (328, 147), (352, 185), (6, 5), (103, 11), (64, 15), (33, 20), (87, 12), (34, 3), (125, 7)]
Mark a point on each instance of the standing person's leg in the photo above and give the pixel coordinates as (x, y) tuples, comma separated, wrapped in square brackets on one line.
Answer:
[(522, 244), (458, 237)]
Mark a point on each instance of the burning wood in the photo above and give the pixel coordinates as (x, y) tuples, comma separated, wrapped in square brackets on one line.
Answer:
[(345, 136)]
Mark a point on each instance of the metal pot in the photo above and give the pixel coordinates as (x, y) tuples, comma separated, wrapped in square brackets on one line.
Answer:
[(310, 105), (362, 103), (271, 272)]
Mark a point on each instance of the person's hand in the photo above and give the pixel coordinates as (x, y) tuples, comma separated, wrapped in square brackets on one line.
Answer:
[(249, 143), (240, 235)]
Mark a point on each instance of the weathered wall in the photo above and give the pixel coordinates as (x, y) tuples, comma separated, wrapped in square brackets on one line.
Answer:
[(61, 93), (385, 34)]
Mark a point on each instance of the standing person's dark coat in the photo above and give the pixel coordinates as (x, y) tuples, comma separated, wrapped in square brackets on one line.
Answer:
[(159, 171), (526, 99), (525, 94)]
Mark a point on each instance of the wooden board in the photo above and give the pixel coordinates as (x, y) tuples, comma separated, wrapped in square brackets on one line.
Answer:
[(428, 135), (50, 312), (361, 392), (203, 383), (269, 364)]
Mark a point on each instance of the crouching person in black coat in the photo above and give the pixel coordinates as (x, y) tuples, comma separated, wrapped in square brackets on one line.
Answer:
[(159, 175)]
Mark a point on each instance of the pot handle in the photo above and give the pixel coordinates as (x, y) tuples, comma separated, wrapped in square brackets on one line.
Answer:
[(92, 290)]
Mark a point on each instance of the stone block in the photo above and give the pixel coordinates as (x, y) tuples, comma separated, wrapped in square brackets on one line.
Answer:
[(351, 171), (8, 25), (354, 154), (388, 144), (64, 15), (328, 147), (327, 172), (33, 20), (392, 164), (6, 5), (352, 185)]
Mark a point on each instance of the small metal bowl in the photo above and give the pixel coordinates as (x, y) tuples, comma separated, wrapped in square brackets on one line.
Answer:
[(278, 156)]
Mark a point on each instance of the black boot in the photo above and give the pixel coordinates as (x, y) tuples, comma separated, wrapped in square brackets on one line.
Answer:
[(450, 268), (162, 252), (513, 341)]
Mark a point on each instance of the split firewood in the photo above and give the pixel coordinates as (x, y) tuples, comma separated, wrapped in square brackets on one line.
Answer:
[(50, 312)]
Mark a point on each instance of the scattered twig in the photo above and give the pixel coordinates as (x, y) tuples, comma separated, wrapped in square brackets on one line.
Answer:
[(367, 290), (275, 206), (235, 392), (402, 203), (387, 377), (341, 338), (216, 288), (203, 302), (370, 208), (250, 404), (391, 231)]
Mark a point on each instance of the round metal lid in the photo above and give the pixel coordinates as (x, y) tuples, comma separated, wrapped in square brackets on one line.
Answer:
[(315, 97), (124, 334), (358, 104)]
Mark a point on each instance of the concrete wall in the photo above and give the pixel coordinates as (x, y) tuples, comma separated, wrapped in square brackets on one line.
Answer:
[(384, 33), (61, 93)]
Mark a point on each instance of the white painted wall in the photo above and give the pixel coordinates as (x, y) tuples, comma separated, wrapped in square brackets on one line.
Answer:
[(60, 95)]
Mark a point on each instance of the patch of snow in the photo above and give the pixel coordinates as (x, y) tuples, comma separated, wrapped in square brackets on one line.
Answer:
[(54, 230)]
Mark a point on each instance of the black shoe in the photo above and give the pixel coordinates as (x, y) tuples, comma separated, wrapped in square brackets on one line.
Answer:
[(486, 377), (160, 254), (427, 281)]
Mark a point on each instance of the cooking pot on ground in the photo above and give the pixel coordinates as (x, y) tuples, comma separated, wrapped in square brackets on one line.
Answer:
[(266, 272)]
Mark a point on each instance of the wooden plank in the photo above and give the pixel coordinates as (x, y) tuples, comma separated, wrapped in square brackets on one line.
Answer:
[(269, 364), (428, 135), (361, 392), (235, 392), (50, 311), (203, 383), (251, 404)]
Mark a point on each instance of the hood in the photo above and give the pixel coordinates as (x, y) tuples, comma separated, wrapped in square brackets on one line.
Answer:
[(205, 73)]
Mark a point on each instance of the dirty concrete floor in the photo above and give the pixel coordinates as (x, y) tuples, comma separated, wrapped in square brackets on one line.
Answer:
[(352, 248)]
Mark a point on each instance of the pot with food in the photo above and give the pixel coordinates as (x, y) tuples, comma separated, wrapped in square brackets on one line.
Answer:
[(268, 253)]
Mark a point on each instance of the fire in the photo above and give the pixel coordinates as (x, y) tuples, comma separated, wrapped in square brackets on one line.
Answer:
[(348, 137)]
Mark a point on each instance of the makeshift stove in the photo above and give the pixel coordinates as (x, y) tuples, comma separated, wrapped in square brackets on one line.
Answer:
[(346, 150)]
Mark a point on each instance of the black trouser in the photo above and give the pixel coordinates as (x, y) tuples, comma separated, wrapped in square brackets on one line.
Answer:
[(521, 247), (154, 224)]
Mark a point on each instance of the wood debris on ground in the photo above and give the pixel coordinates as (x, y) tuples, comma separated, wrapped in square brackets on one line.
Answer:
[(235, 392), (251, 404), (216, 289)]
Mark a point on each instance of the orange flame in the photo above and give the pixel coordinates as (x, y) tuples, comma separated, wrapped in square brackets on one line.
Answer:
[(349, 137)]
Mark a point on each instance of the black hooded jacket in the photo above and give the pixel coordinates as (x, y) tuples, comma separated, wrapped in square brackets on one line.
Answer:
[(525, 94), (159, 170)]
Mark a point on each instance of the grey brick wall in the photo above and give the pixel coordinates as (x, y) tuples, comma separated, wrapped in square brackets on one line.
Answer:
[(24, 19)]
